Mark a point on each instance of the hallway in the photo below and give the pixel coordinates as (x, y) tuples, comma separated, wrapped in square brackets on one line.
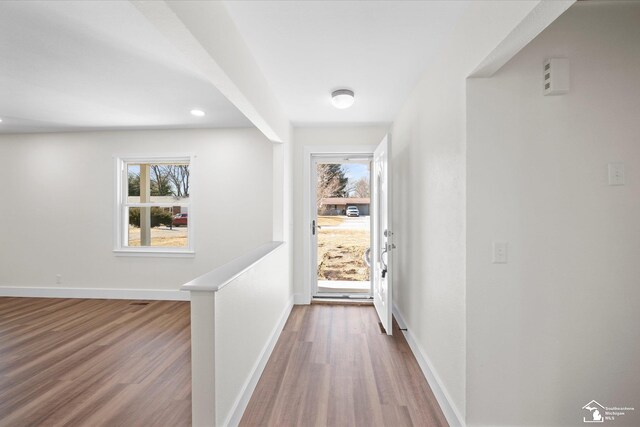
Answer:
[(333, 366)]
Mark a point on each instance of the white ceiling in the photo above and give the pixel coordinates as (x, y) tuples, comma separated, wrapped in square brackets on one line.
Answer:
[(75, 65), (379, 49), (97, 65)]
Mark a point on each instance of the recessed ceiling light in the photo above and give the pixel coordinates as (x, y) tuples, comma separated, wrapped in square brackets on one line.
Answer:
[(0, 120), (197, 113), (342, 98)]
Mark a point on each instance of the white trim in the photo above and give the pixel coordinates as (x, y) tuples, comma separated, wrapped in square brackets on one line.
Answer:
[(306, 203), (301, 299), (451, 412), (154, 205), (93, 293), (218, 278), (157, 252), (241, 402), (311, 185)]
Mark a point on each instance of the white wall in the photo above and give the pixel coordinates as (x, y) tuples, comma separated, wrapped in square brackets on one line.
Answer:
[(429, 185), (559, 324), (319, 137), (58, 203), (249, 315), (429, 226)]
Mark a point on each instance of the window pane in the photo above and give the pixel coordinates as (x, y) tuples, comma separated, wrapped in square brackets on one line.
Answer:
[(158, 183), (158, 227)]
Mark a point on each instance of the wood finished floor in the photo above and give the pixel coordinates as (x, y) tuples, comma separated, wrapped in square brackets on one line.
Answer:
[(76, 362), (332, 367)]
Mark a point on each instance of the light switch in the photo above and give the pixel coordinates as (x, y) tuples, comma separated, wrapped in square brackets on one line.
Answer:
[(499, 252), (616, 173)]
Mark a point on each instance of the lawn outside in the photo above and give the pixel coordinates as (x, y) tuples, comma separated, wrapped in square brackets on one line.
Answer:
[(341, 250), (328, 220), (177, 237)]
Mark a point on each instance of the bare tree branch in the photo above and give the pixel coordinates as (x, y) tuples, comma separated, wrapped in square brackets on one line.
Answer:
[(328, 184), (179, 177), (361, 188)]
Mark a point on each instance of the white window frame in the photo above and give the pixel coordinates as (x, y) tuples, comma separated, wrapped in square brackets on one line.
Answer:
[(122, 204)]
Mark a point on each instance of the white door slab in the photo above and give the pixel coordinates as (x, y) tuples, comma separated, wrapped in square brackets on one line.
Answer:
[(382, 235)]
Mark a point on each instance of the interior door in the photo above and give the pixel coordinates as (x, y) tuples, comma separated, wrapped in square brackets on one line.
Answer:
[(382, 235)]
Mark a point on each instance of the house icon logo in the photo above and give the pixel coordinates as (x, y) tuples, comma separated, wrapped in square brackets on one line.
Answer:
[(596, 412)]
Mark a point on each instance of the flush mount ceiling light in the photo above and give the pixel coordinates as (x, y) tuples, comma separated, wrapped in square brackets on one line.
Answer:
[(342, 98), (197, 113)]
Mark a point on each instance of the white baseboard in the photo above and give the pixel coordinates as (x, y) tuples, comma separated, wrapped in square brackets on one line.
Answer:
[(301, 299), (241, 402), (93, 293), (451, 413)]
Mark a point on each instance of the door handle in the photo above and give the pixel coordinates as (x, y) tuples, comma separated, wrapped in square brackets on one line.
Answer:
[(314, 227), (384, 251), (367, 257), (384, 264)]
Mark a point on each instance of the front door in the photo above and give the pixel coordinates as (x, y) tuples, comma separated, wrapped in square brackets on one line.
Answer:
[(341, 226)]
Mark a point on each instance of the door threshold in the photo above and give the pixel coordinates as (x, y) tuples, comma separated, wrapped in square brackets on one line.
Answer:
[(341, 300)]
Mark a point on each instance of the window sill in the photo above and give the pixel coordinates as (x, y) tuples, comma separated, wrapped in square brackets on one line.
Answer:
[(155, 253)]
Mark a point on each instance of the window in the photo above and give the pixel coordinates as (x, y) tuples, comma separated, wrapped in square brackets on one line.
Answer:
[(153, 206)]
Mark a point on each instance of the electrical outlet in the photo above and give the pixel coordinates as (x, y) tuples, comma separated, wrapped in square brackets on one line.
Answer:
[(58, 279), (499, 252)]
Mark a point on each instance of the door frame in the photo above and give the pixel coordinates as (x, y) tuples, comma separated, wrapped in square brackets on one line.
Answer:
[(325, 150)]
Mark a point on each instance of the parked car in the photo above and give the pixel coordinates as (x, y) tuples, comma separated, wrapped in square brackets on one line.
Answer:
[(180, 219), (353, 211)]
